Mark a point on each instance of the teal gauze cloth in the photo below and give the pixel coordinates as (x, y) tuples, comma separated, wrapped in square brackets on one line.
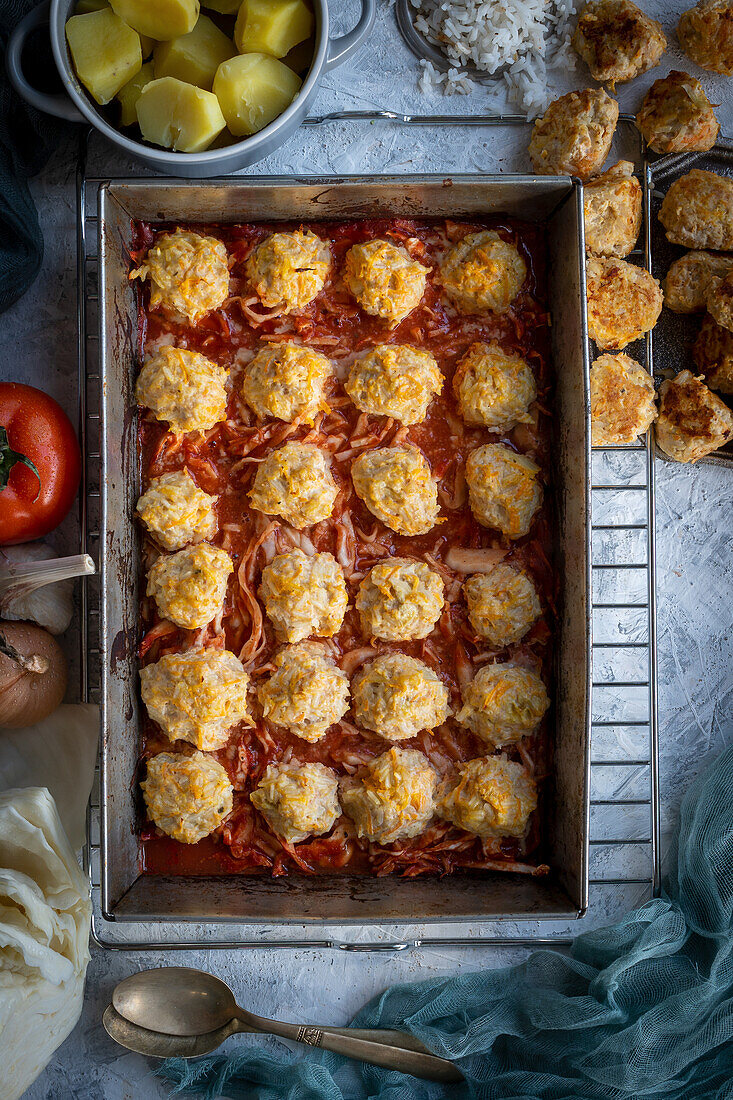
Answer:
[(641, 1009), (27, 139)]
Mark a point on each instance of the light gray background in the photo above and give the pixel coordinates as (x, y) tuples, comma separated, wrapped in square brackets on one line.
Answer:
[(37, 344)]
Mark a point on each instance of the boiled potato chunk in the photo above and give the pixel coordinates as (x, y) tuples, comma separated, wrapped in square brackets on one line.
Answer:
[(196, 56), (159, 19), (253, 89), (179, 116), (224, 7), (85, 6), (272, 26), (129, 95), (105, 51)]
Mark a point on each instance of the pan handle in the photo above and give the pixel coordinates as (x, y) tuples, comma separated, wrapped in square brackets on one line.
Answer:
[(341, 48), (58, 105)]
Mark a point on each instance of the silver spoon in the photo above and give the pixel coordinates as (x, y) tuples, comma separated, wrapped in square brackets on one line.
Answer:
[(178, 1011)]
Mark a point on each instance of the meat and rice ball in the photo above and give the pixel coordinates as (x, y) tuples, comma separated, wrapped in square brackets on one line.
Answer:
[(676, 116), (188, 273), (503, 489), (307, 693), (503, 703), (494, 388), (612, 211), (288, 270), (693, 421), (399, 600), (183, 388), (622, 400), (176, 512), (196, 696), (712, 354), (697, 211), (392, 798), (706, 35), (384, 279), (482, 273), (189, 587), (490, 797), (304, 595), (574, 135), (397, 487), (502, 605), (287, 381), (617, 40), (298, 800), (397, 696), (187, 797), (624, 302), (687, 281), (296, 483), (394, 380)]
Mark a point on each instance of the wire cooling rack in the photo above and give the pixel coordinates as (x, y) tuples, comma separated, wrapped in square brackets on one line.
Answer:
[(625, 853)]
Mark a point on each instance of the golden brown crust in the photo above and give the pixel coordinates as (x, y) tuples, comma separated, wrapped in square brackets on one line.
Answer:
[(676, 116), (621, 400), (612, 211), (574, 135), (624, 302), (692, 422), (712, 354), (687, 281), (697, 211), (617, 40), (706, 35)]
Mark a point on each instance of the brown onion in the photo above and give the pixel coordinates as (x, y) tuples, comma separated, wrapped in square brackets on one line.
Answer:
[(33, 675)]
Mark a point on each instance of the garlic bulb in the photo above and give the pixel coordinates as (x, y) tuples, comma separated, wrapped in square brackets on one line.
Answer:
[(37, 586)]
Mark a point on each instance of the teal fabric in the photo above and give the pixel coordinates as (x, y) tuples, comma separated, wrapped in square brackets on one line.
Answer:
[(641, 1009), (27, 139)]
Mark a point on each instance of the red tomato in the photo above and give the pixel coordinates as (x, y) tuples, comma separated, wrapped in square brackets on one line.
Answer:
[(40, 463)]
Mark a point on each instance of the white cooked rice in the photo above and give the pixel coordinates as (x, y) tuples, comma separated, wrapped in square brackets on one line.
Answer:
[(531, 36)]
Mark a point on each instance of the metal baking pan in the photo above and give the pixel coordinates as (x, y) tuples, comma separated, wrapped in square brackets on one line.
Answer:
[(126, 894)]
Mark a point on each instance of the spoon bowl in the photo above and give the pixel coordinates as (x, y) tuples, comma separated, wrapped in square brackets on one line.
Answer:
[(176, 1000)]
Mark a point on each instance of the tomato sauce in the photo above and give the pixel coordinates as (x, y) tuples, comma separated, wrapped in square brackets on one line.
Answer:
[(224, 460)]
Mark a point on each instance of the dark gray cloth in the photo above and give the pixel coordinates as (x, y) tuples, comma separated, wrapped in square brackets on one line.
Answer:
[(27, 139)]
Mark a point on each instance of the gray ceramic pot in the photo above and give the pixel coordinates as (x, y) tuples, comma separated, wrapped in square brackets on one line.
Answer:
[(77, 106)]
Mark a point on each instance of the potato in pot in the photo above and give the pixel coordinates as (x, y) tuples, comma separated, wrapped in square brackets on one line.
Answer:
[(272, 26), (178, 115), (105, 51), (159, 19), (253, 89), (129, 94), (194, 57)]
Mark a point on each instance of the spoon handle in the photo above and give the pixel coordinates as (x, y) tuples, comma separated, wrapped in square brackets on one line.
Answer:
[(383, 1054)]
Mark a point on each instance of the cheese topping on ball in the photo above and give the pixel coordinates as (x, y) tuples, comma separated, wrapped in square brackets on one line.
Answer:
[(187, 797), (298, 800), (397, 487), (392, 798), (304, 595), (712, 354), (482, 272), (189, 587), (196, 696), (288, 382), (289, 270), (503, 704), (307, 693), (176, 512), (400, 600), (295, 482), (493, 388), (503, 489), (397, 696), (189, 275), (394, 380), (617, 40), (693, 421), (184, 388), (384, 279), (490, 797), (624, 302), (612, 211), (502, 605), (574, 136), (622, 400)]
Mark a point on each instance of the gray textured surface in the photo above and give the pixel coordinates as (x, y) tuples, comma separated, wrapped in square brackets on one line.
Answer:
[(694, 569)]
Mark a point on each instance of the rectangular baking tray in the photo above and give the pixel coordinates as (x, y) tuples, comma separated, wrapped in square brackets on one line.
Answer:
[(128, 895)]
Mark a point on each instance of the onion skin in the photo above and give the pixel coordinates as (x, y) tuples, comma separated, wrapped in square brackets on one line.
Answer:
[(29, 697)]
